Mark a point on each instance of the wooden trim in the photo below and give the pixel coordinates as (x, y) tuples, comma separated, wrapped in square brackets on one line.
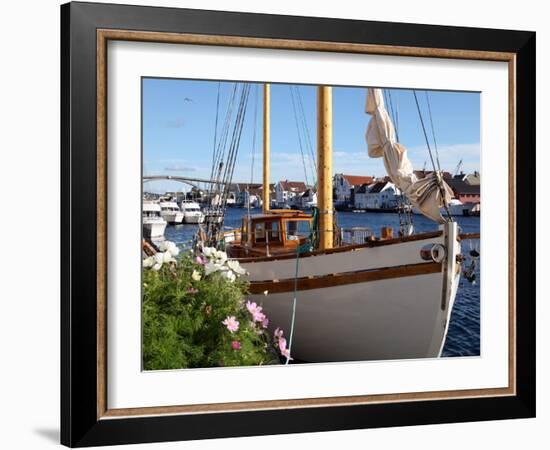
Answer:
[(103, 412), (512, 353), (289, 44), (345, 278), (347, 248), (464, 236), (305, 402), (101, 223)]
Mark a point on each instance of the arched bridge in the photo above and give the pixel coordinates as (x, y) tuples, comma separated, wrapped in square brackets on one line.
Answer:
[(186, 180)]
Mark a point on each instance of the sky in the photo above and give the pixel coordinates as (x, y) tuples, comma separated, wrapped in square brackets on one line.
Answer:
[(179, 123)]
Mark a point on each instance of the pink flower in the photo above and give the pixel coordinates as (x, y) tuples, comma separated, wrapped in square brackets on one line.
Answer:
[(258, 316), (201, 260), (252, 307), (192, 290), (236, 345), (284, 351), (231, 323), (277, 334), (256, 311), (286, 354), (265, 322)]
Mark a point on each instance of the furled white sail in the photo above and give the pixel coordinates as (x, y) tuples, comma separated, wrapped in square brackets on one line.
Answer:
[(427, 194)]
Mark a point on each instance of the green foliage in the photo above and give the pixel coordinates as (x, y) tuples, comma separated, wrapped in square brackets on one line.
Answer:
[(182, 320)]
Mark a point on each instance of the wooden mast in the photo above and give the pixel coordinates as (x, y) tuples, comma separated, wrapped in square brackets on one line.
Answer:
[(265, 188), (324, 166)]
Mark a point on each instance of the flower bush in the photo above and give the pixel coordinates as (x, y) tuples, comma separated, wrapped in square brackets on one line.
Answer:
[(195, 313)]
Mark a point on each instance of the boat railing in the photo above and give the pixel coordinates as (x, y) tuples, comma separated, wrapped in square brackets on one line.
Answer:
[(355, 235)]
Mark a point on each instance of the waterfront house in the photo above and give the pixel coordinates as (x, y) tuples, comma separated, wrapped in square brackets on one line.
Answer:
[(464, 191), (285, 191), (345, 186), (380, 195), (307, 199)]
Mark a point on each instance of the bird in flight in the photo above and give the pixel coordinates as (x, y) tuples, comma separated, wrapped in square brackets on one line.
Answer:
[(187, 99)]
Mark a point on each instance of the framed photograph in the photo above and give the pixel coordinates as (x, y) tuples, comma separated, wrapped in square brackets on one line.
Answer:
[(274, 224)]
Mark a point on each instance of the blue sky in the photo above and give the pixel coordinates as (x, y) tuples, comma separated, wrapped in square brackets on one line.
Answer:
[(179, 121)]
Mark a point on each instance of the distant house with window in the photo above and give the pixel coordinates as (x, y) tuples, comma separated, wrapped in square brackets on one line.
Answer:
[(345, 186), (464, 191), (285, 191), (307, 199), (380, 195)]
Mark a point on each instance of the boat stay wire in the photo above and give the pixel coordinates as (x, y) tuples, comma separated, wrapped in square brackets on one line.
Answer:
[(431, 155), (299, 134)]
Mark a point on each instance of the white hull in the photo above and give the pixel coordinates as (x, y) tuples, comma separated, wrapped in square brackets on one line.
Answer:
[(402, 317), (193, 218), (153, 229), (173, 218)]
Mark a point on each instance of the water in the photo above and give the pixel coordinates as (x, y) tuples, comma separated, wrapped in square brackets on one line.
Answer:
[(463, 334)]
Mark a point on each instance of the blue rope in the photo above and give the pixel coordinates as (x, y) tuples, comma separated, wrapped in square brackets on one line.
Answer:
[(299, 249)]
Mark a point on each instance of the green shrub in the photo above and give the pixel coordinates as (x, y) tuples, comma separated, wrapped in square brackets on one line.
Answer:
[(185, 305)]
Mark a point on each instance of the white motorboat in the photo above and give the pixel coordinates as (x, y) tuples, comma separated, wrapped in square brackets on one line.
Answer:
[(191, 212), (170, 212), (153, 224), (455, 207)]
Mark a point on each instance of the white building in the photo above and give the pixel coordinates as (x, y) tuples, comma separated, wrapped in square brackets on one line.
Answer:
[(380, 195), (307, 199), (285, 191), (345, 185)]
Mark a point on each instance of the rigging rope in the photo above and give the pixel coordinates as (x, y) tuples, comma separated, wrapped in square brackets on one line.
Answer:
[(431, 156), (313, 159), (433, 131), (299, 134)]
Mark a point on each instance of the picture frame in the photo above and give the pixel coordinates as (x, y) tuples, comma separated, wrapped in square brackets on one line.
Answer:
[(86, 418)]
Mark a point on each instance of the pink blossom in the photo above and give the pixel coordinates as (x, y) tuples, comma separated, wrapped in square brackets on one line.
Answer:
[(284, 351), (286, 354), (201, 260), (236, 345), (231, 323), (258, 316), (277, 334), (192, 290), (265, 322), (252, 307), (256, 311)]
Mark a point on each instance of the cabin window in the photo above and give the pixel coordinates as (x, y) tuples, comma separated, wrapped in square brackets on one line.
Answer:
[(296, 229), (271, 229), (259, 232)]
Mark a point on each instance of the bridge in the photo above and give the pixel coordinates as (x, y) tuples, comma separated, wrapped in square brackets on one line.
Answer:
[(186, 180)]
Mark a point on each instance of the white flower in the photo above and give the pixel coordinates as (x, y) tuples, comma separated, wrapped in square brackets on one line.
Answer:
[(208, 251), (236, 267), (230, 276), (211, 267), (220, 256), (196, 275), (149, 262), (266, 292), (169, 246), (167, 257)]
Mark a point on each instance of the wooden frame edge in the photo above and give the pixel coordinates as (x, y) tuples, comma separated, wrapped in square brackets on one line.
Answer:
[(104, 35)]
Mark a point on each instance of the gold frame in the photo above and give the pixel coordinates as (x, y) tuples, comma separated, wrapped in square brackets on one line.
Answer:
[(103, 36)]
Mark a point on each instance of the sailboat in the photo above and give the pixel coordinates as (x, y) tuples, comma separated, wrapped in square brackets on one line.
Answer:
[(384, 298)]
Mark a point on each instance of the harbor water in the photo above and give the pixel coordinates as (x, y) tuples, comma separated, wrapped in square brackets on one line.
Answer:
[(464, 328)]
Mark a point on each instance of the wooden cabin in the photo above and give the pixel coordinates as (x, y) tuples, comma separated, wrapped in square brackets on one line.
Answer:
[(272, 233)]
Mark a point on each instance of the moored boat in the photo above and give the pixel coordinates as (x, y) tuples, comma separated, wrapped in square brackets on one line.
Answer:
[(153, 225), (171, 212), (191, 212)]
